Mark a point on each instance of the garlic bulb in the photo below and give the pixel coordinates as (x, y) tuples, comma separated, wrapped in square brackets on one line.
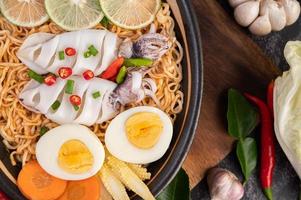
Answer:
[(224, 185), (264, 16)]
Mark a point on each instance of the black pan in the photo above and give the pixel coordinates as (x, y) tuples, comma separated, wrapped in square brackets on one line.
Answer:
[(165, 169)]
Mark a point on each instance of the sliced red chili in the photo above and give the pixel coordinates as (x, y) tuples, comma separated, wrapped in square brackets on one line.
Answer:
[(113, 69), (65, 72), (75, 100), (70, 51), (88, 75), (50, 79), (270, 95)]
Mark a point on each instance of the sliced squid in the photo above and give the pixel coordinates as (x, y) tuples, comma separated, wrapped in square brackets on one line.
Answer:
[(66, 112), (40, 97), (40, 51), (93, 107)]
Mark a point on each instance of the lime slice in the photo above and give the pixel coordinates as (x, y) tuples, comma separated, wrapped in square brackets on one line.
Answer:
[(130, 14), (26, 13), (74, 14)]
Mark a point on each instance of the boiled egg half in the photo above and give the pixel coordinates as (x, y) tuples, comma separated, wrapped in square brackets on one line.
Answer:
[(70, 152), (139, 135)]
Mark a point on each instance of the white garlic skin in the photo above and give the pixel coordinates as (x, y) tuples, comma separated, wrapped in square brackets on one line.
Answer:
[(292, 10), (224, 185), (246, 12), (261, 26), (272, 15)]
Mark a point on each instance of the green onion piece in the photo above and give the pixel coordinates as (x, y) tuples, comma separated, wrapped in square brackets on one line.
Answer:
[(105, 22), (61, 55), (56, 105), (93, 50), (76, 108), (87, 54), (43, 130), (137, 62), (37, 77), (69, 87), (121, 75), (96, 95)]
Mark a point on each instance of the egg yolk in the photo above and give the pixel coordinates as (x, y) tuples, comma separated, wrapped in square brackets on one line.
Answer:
[(143, 129), (74, 157)]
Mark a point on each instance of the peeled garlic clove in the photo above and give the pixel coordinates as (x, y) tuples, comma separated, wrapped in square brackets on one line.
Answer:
[(276, 14), (261, 26), (235, 3), (292, 11), (224, 185), (247, 12)]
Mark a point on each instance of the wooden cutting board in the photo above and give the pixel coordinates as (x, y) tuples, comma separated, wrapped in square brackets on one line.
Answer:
[(231, 59)]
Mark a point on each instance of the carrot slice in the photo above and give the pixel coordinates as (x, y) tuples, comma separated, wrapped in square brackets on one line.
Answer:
[(35, 183), (88, 189)]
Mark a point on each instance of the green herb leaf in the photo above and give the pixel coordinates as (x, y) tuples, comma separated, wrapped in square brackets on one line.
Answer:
[(246, 151), (35, 76), (56, 105), (178, 189), (69, 87), (96, 95), (93, 51), (43, 130), (87, 54), (105, 22), (242, 116), (137, 62)]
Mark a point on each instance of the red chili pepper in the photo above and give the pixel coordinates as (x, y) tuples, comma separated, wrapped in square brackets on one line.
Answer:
[(270, 95), (113, 69), (88, 75), (3, 196), (75, 100), (267, 146), (65, 72), (50, 79), (70, 51)]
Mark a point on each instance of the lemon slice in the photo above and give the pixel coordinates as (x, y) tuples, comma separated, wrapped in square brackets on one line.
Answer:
[(26, 13), (131, 14), (74, 14)]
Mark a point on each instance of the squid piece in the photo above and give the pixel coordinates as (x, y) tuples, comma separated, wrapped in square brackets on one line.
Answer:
[(129, 178), (40, 51), (150, 45), (40, 98), (112, 184), (134, 89)]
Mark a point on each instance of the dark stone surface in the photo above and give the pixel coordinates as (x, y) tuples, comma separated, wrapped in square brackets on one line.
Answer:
[(286, 182)]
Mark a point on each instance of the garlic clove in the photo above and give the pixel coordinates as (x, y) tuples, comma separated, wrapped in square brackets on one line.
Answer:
[(292, 10), (261, 26), (224, 185), (276, 14), (246, 12), (235, 3)]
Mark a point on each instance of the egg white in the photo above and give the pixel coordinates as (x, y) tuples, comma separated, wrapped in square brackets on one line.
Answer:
[(119, 146), (47, 150)]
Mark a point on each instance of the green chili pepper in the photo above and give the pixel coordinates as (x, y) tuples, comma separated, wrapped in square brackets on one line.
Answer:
[(87, 54), (121, 75), (93, 51), (56, 105), (96, 95), (43, 130), (69, 87), (61, 55), (137, 62), (35, 76)]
